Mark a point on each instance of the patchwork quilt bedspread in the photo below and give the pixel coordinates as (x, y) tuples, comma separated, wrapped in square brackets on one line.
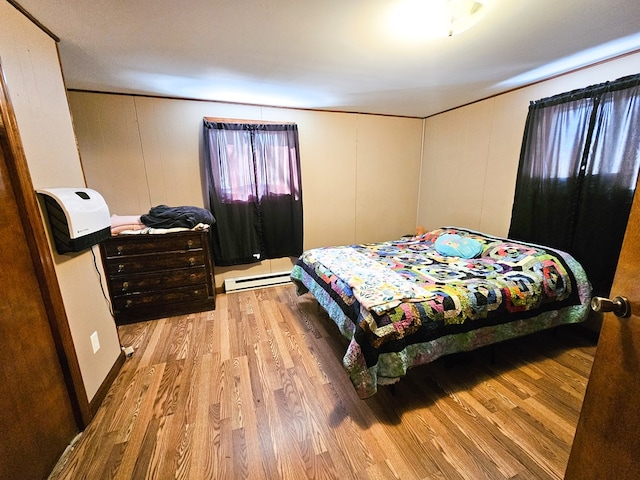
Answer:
[(409, 301)]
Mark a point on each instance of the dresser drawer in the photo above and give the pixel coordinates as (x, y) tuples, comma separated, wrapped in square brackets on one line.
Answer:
[(135, 300), (158, 275), (140, 244), (140, 282), (154, 262)]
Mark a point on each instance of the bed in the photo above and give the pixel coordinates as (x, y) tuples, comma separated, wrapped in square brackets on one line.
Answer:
[(409, 301)]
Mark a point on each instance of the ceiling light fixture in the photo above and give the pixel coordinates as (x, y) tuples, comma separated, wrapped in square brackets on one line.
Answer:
[(435, 18)]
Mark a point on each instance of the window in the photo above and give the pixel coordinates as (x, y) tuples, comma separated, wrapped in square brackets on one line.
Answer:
[(254, 189), (577, 174)]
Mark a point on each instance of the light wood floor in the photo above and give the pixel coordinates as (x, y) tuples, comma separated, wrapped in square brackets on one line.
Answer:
[(256, 389)]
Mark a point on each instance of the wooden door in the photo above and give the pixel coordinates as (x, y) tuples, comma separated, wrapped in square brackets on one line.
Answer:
[(607, 441), (37, 418)]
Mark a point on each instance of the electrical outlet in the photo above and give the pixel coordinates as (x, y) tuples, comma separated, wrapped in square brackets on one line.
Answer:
[(95, 342)]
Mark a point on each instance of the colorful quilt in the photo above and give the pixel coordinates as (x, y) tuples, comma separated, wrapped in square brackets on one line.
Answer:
[(409, 301)]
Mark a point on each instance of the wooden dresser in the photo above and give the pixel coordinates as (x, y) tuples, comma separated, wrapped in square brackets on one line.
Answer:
[(156, 276)]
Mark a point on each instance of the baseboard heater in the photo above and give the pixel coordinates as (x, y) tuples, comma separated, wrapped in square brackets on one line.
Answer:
[(256, 281)]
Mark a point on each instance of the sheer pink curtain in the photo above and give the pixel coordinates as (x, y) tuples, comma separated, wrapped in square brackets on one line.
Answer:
[(254, 190)]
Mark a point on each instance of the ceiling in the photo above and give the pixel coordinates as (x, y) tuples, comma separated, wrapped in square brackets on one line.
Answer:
[(330, 54)]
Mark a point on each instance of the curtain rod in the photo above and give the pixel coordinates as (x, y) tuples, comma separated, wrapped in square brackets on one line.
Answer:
[(240, 120)]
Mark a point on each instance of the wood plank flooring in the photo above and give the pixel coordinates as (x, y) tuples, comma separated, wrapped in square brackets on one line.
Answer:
[(256, 390)]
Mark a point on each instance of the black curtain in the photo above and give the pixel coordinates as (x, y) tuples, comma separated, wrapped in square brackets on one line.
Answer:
[(254, 189), (577, 174)]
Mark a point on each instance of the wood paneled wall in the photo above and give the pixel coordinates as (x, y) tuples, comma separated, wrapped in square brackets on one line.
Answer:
[(36, 90), (360, 173), (365, 177), (471, 154)]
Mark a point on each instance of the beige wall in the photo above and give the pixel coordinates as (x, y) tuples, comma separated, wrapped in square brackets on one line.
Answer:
[(471, 154), (365, 177), (30, 64), (360, 173)]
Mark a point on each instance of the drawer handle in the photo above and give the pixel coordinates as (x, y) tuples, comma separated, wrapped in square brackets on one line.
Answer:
[(120, 268), (189, 243), (125, 286), (128, 304), (192, 261), (120, 249)]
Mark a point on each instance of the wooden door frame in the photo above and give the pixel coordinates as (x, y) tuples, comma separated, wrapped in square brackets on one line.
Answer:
[(38, 244)]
